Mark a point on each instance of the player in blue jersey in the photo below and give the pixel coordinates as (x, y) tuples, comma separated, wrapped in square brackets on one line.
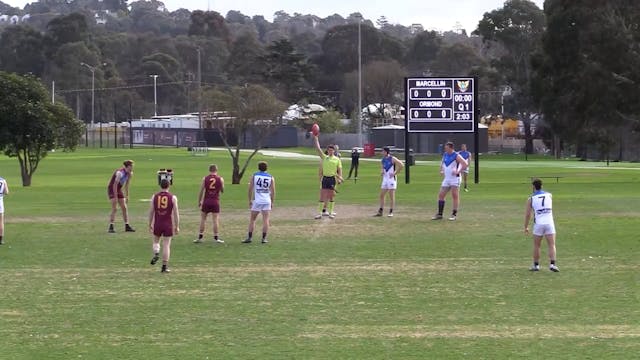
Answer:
[(469, 157), (262, 193), (540, 203), (390, 166), (450, 168)]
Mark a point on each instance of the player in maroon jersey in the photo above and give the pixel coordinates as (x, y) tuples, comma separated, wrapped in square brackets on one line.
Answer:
[(118, 193), (164, 221), (209, 202)]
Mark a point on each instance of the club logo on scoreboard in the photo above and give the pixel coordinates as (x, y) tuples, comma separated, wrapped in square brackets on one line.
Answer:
[(463, 85)]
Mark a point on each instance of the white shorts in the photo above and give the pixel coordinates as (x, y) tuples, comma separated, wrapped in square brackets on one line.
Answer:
[(260, 207), (389, 183), (451, 182), (544, 229), (1, 205)]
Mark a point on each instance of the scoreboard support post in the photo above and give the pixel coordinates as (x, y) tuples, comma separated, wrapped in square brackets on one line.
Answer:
[(407, 157), (407, 152), (476, 139)]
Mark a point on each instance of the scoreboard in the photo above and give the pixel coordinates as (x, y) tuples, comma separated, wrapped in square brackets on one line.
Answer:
[(440, 104)]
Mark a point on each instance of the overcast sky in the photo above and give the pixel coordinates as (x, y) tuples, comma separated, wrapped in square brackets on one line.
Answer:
[(432, 14)]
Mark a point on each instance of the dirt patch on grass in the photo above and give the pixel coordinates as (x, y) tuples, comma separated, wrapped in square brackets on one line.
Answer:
[(617, 215), (54, 219), (438, 265), (469, 265), (303, 216), (281, 214), (475, 331)]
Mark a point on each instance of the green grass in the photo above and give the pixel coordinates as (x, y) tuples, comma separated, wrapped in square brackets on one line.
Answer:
[(356, 287)]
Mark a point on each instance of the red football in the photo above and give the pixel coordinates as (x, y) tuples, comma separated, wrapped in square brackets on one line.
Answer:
[(315, 129)]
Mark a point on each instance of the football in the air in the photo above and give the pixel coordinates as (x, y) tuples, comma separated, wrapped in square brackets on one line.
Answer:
[(315, 129)]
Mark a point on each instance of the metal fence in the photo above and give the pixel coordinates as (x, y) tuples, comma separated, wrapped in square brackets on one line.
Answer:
[(110, 136), (124, 137), (107, 137)]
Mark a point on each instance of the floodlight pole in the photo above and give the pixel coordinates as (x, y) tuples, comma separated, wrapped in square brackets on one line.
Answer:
[(199, 94), (93, 89), (155, 95), (359, 83)]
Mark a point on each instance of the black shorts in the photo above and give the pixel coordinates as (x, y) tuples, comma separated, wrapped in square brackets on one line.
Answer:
[(328, 182)]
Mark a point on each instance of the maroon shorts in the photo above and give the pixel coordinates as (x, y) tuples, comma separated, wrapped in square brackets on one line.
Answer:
[(163, 229), (120, 194), (211, 207)]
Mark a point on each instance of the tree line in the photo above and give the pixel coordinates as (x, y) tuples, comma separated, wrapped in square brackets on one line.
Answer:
[(571, 68), (301, 58)]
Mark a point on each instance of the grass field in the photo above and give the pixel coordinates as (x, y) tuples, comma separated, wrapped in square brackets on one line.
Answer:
[(356, 287)]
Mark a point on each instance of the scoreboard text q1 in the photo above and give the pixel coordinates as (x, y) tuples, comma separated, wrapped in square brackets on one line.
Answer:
[(440, 104)]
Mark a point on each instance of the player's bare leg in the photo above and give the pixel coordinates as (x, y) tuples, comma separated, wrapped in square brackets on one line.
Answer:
[(444, 190), (125, 211), (252, 225), (322, 204), (392, 201), (166, 253), (332, 213), (455, 197), (323, 211), (112, 215), (536, 253), (265, 226), (464, 179), (125, 214), (252, 220), (1, 229), (383, 193), (155, 249), (114, 209), (203, 221), (216, 227), (551, 242)]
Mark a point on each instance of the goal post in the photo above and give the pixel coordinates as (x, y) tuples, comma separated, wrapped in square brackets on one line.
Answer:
[(199, 148)]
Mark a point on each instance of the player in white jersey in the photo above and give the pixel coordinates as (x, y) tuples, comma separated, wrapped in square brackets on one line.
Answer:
[(540, 203), (390, 166), (450, 168), (4, 190), (469, 157), (262, 193)]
